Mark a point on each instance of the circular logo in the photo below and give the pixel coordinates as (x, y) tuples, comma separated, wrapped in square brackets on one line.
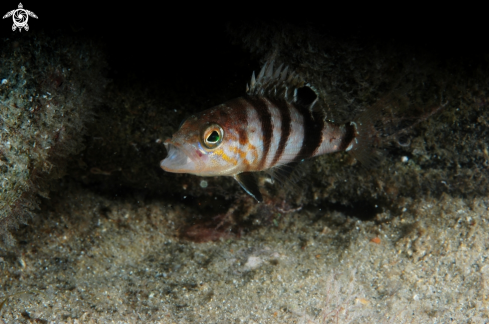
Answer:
[(20, 18)]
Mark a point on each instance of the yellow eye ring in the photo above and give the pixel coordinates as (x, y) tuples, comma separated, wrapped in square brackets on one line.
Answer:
[(212, 136)]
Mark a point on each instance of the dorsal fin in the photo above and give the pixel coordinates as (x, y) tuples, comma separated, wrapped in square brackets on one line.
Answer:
[(282, 83), (269, 72), (277, 72), (262, 72)]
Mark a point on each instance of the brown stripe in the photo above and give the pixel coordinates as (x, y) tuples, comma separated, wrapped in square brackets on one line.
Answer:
[(313, 128), (266, 125), (284, 110), (241, 120), (348, 137)]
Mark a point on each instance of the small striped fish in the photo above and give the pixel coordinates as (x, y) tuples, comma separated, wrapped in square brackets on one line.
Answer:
[(270, 129)]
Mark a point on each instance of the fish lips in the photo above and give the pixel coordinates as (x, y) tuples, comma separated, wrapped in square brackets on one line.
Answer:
[(179, 159)]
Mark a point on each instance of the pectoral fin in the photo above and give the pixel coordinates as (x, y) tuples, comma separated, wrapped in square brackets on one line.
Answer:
[(247, 181)]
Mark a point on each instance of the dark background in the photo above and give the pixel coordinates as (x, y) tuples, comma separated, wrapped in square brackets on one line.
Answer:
[(160, 41)]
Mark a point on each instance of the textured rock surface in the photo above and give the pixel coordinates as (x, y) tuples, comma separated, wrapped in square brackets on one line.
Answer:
[(48, 88)]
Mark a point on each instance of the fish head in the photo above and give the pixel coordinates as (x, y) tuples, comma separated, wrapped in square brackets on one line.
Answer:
[(205, 145)]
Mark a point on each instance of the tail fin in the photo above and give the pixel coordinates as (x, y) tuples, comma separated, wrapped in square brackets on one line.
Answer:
[(363, 146)]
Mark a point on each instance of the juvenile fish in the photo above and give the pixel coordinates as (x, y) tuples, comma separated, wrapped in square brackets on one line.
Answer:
[(271, 129)]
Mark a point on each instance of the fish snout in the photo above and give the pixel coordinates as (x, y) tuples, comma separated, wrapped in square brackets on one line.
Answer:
[(177, 159)]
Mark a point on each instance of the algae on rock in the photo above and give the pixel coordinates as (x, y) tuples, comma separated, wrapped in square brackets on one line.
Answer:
[(48, 88)]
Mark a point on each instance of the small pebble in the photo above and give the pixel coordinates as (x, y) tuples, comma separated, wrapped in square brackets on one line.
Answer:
[(375, 240)]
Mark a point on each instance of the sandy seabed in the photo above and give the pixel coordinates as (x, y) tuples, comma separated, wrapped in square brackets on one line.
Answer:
[(90, 259)]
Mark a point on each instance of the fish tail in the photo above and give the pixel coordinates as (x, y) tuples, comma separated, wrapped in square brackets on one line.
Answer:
[(363, 146)]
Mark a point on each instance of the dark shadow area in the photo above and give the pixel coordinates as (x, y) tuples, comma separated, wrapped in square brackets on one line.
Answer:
[(363, 210)]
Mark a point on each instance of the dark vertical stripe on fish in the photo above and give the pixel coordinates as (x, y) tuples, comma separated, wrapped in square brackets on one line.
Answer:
[(242, 121), (266, 125), (350, 133), (285, 134), (313, 129)]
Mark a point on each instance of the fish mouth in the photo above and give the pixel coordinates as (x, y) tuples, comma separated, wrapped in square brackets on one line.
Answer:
[(177, 160)]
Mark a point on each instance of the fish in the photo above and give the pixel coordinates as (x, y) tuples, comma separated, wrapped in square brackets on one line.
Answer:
[(272, 128)]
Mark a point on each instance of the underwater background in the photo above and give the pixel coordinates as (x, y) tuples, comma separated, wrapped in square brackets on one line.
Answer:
[(93, 231)]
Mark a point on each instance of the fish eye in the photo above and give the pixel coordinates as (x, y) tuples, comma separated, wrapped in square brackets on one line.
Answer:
[(212, 136)]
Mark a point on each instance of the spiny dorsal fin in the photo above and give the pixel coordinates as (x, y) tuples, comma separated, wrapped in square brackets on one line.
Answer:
[(262, 72), (284, 73), (277, 72), (280, 83), (269, 72)]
